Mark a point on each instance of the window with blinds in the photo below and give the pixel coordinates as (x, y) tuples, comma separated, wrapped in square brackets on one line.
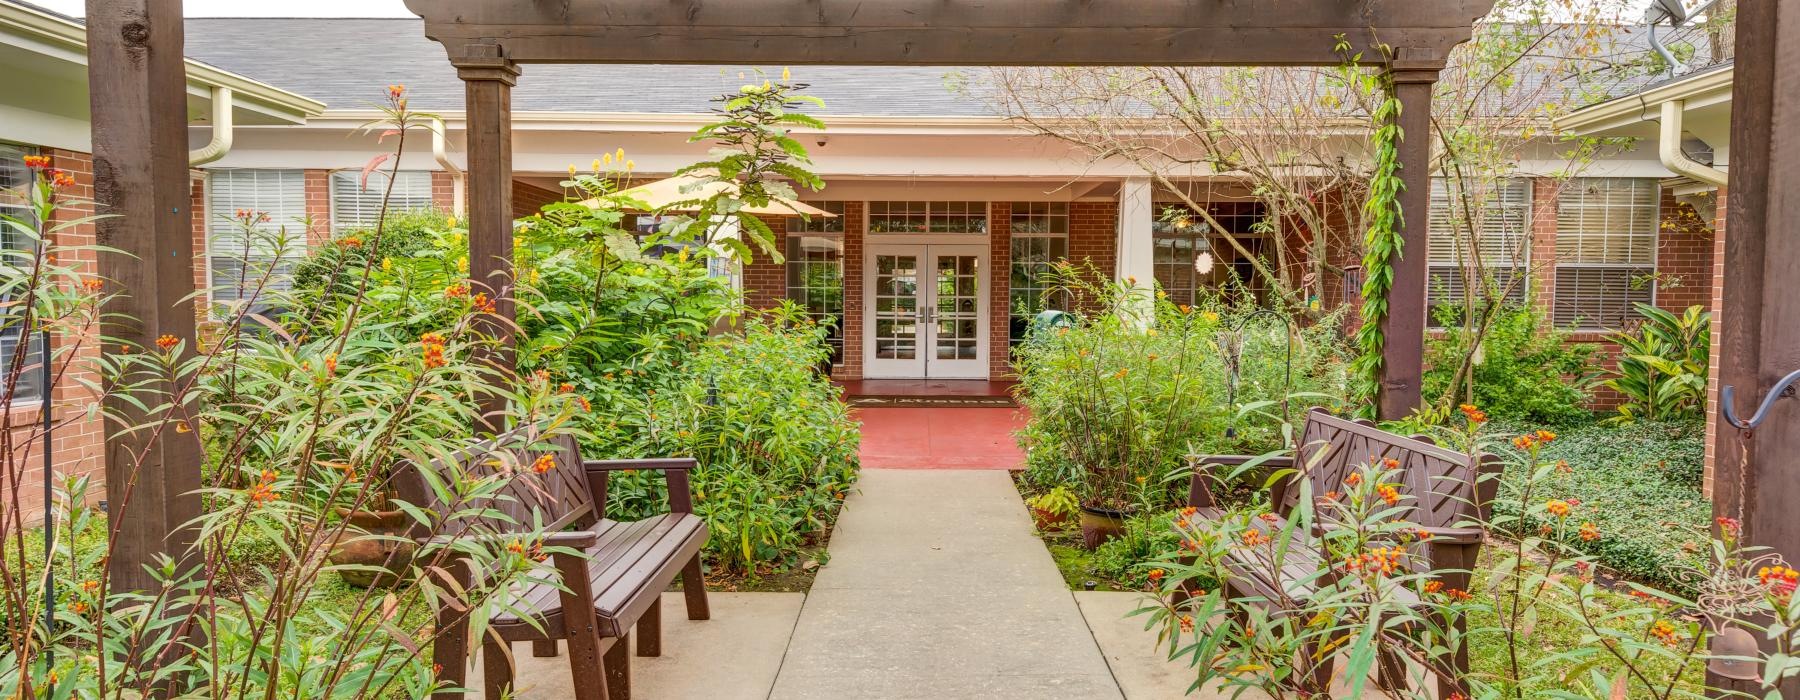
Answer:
[(240, 257), (1483, 232), (16, 247), (1605, 250), (354, 206)]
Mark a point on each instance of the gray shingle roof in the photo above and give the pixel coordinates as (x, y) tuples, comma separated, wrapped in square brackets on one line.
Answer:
[(347, 63)]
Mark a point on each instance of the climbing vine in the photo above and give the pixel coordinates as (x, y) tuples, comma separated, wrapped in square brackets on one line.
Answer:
[(1381, 243)]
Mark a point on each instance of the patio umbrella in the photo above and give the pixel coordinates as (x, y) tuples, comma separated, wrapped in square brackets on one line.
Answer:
[(681, 188)]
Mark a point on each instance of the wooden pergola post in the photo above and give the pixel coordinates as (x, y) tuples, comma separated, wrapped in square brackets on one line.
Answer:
[(137, 84), (1755, 477), (1414, 73), (488, 78)]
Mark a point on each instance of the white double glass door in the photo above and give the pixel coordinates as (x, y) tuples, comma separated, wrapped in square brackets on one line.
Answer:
[(927, 312)]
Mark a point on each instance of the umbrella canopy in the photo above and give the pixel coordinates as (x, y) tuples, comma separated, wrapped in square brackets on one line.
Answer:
[(681, 188)]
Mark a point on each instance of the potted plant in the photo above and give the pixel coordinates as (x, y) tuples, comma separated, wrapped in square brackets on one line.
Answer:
[(1050, 509)]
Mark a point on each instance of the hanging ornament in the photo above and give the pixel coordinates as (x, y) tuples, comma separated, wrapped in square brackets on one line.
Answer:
[(1203, 263)]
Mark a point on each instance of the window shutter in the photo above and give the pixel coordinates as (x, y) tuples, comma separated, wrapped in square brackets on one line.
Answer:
[(354, 206), (239, 261)]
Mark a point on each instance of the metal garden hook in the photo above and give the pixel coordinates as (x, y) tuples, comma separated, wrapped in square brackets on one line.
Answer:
[(1783, 388)]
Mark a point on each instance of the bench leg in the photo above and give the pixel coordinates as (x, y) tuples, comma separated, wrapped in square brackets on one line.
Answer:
[(618, 670), (450, 650), (543, 648), (649, 631), (1323, 667), (693, 588), (496, 668), (1458, 662)]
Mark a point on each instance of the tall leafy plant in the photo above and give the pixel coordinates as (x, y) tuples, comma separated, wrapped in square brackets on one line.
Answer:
[(1663, 364)]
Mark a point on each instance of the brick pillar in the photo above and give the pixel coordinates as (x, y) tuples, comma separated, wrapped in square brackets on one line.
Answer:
[(999, 290), (1094, 235), (1542, 257), (318, 208), (1684, 255), (1716, 286), (855, 226)]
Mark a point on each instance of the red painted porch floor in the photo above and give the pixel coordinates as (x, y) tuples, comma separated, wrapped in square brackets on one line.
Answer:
[(941, 438)]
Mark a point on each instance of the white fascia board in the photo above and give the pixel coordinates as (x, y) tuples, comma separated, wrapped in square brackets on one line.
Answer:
[(1627, 114), (59, 39)]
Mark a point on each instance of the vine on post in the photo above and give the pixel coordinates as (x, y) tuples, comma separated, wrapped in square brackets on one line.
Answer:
[(1381, 243)]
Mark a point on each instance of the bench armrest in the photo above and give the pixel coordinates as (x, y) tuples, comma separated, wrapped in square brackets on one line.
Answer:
[(675, 472), (1455, 535)]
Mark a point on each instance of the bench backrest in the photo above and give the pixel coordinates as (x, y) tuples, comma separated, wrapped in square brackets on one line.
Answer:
[(1447, 486), (558, 496)]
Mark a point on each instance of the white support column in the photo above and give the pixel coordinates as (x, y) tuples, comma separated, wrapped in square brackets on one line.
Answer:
[(1136, 250)]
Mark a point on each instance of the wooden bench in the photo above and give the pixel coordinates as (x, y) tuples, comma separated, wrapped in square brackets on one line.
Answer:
[(615, 587), (1450, 490)]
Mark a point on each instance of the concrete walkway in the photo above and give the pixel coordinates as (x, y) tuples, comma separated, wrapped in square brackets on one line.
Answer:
[(937, 588)]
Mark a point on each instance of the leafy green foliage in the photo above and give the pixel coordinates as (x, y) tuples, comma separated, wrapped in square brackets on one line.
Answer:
[(1523, 369), (1640, 484), (776, 446), (1121, 398), (1381, 242), (1663, 365)]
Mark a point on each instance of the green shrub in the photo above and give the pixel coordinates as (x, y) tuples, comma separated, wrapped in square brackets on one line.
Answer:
[(403, 236), (1525, 369), (776, 446), (1147, 536), (1641, 485), (1663, 365), (1118, 403)]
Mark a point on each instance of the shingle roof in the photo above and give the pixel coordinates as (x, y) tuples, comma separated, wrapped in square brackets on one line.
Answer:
[(346, 63)]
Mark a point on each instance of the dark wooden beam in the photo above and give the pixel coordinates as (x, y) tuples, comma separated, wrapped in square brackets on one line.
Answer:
[(1754, 478), (138, 91), (946, 32), (1414, 72), (488, 82)]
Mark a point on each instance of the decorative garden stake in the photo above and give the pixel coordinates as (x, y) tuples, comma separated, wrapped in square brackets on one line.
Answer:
[(1232, 343)]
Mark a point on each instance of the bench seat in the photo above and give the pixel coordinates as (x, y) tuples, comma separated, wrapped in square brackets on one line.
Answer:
[(629, 566)]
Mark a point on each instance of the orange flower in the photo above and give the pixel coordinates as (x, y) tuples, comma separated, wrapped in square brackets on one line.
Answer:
[(433, 346), (544, 463), (1390, 463), (482, 303), (90, 585), (1545, 437), (37, 162), (1333, 495), (1590, 532), (1187, 623), (1189, 511), (566, 388), (331, 363), (1379, 561), (167, 342), (1780, 579), (1523, 442), (1557, 508), (1253, 538), (396, 92), (1665, 631), (79, 607), (1474, 414), (350, 242), (1434, 586), (93, 284), (516, 547), (1458, 594), (262, 494), (1156, 575), (1729, 526), (1388, 493), (456, 291), (583, 402), (1562, 467), (1353, 480)]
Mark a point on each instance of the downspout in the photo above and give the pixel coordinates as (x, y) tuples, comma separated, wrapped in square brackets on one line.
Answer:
[(440, 151), (222, 128), (1668, 148)]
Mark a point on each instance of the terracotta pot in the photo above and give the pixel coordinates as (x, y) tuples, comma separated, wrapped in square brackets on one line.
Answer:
[(1101, 524), (1047, 520), (392, 556)]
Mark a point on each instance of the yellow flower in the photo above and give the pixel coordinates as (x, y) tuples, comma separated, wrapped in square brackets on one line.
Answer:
[(387, 264), (1210, 316), (596, 165), (571, 170), (786, 75), (631, 165), (619, 154), (607, 159)]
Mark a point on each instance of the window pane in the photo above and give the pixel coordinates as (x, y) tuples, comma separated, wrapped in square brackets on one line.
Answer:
[(16, 251), (819, 224), (1600, 297), (815, 271), (1181, 237)]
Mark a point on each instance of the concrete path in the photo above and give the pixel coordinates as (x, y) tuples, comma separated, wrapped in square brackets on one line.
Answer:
[(937, 588)]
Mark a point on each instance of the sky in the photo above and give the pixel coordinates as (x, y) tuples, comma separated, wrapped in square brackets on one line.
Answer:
[(353, 8)]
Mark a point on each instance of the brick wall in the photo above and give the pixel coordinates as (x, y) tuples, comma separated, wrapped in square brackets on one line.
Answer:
[(1094, 235), (527, 199), (443, 191), (78, 440), (1684, 255), (765, 280)]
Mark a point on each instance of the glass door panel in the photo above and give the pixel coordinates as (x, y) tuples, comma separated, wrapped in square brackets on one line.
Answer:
[(928, 313)]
